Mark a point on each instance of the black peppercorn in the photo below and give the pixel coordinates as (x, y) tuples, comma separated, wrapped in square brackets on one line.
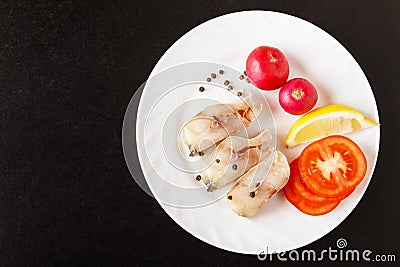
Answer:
[(252, 194), (198, 177)]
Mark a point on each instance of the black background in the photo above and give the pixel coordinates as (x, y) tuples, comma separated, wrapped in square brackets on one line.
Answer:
[(67, 72)]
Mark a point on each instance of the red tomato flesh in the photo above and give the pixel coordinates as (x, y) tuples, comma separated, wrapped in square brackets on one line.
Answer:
[(300, 188), (307, 207), (332, 166)]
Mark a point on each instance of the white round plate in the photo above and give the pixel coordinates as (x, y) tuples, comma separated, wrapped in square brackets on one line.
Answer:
[(313, 54)]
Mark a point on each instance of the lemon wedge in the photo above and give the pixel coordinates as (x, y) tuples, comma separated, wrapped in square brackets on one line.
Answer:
[(327, 120)]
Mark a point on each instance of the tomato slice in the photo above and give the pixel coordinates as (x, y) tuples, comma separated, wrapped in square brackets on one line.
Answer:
[(304, 200), (300, 189), (332, 166), (310, 208)]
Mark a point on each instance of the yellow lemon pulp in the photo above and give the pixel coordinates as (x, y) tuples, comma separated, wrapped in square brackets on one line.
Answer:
[(325, 121)]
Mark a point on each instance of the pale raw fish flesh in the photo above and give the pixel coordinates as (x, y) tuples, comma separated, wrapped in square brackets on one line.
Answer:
[(217, 122), (233, 157), (246, 203)]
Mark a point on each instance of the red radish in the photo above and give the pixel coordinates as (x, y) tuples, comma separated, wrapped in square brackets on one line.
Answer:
[(267, 67), (298, 96)]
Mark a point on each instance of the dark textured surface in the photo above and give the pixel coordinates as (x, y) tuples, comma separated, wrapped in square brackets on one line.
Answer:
[(67, 72)]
